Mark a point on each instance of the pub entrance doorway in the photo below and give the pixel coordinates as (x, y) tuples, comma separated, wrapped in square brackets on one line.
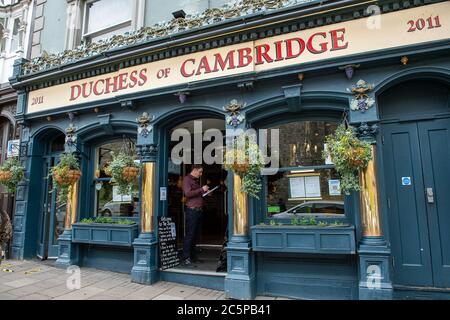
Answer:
[(416, 151), (52, 210), (213, 225)]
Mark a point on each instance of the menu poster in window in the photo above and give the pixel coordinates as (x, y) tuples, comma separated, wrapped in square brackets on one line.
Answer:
[(334, 187), (305, 187), (120, 197), (312, 187), (297, 187), (168, 252)]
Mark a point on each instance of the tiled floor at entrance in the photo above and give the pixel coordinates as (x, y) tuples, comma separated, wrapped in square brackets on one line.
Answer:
[(37, 280)]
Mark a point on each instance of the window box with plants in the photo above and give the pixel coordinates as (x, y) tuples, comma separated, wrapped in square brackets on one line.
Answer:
[(304, 235), (105, 231)]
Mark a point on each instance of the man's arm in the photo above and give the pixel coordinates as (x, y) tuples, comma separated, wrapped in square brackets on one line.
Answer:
[(189, 192)]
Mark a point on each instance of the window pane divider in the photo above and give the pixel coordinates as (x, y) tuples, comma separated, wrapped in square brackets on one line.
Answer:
[(108, 29), (319, 167)]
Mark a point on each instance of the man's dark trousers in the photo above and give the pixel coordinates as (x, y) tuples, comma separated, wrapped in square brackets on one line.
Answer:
[(193, 219)]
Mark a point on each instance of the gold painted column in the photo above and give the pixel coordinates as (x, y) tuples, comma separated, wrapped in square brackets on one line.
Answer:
[(147, 201), (369, 206), (240, 208), (71, 206)]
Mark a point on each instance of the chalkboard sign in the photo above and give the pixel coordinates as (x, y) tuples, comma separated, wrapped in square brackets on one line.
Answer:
[(168, 252)]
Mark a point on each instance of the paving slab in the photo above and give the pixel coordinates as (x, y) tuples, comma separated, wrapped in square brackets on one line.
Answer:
[(34, 296), (81, 294), (21, 282)]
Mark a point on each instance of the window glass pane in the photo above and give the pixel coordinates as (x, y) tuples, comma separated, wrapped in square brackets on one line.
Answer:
[(314, 192), (107, 35), (106, 13), (2, 28), (58, 144), (303, 191), (108, 201), (15, 35), (60, 214), (302, 143)]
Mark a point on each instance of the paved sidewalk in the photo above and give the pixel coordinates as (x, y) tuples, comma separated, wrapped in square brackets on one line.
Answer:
[(36, 280)]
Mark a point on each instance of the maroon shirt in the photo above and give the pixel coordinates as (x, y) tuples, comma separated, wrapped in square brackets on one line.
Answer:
[(193, 192)]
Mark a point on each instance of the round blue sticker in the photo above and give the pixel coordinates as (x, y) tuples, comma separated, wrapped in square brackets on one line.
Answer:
[(406, 181)]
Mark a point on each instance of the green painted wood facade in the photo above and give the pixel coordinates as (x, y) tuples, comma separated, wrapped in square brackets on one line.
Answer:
[(411, 111)]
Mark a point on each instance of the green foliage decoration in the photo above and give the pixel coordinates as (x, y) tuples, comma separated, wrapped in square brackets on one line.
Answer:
[(107, 220), (11, 173), (245, 159), (349, 154), (123, 171)]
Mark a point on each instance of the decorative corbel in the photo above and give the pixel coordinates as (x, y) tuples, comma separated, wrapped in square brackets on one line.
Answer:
[(71, 137), (234, 117), (182, 96), (366, 132), (144, 126), (361, 100), (349, 70)]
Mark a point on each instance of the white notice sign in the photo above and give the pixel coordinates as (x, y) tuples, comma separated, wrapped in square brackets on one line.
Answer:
[(312, 187), (305, 187)]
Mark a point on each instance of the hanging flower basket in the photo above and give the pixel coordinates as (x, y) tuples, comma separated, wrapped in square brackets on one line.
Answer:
[(5, 176), (68, 178), (65, 174), (349, 154), (240, 163), (11, 173), (246, 160), (123, 171), (130, 173)]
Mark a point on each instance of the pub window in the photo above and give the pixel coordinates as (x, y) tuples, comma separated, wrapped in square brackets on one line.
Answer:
[(105, 18), (305, 185), (109, 203), (15, 39)]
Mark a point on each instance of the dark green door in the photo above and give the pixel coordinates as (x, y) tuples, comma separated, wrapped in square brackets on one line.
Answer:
[(52, 215), (434, 137), (416, 157)]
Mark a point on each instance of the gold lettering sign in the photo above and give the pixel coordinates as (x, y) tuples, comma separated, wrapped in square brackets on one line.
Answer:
[(397, 29)]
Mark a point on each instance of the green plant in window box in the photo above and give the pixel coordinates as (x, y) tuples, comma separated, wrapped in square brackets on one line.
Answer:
[(349, 154), (123, 171), (245, 159), (11, 173), (322, 224), (65, 174), (107, 220)]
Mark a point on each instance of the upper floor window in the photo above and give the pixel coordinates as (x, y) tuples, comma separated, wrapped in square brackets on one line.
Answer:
[(105, 18), (8, 2), (15, 39), (2, 34)]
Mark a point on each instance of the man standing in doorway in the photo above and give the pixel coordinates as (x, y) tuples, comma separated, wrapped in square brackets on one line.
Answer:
[(194, 208)]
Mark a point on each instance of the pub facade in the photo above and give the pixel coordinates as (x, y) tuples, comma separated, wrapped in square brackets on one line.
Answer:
[(297, 66)]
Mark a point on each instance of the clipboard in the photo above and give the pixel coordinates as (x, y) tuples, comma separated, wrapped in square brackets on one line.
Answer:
[(209, 191)]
